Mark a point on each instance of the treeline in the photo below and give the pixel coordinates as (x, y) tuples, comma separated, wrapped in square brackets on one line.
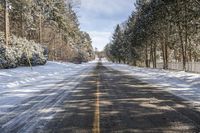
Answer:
[(158, 31), (52, 23)]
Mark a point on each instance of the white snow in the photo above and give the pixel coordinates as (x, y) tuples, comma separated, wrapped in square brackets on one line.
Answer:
[(50, 84), (30, 98), (183, 84), (21, 83)]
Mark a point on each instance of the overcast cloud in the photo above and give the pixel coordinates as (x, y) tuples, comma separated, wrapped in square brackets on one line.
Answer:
[(99, 18)]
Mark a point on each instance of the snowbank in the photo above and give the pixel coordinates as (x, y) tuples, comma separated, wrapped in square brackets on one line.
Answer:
[(182, 84)]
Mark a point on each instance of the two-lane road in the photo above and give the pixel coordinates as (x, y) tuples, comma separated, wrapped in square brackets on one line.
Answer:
[(104, 101)]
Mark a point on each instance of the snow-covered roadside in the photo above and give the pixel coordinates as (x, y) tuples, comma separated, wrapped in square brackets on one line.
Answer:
[(21, 83), (183, 84)]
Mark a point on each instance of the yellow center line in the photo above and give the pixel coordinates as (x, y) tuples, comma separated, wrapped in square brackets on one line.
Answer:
[(96, 124)]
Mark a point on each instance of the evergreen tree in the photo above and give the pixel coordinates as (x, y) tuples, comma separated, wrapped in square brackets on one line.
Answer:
[(160, 30), (52, 23)]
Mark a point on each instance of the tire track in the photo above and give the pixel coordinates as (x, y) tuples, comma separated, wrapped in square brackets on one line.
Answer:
[(26, 118)]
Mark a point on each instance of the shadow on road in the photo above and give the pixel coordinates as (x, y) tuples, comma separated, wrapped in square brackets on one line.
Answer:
[(126, 105), (129, 105)]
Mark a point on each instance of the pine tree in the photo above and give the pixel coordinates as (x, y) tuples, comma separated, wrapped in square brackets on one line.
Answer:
[(161, 30)]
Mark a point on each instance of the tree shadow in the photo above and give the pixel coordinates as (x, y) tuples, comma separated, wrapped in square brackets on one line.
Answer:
[(126, 105), (133, 106)]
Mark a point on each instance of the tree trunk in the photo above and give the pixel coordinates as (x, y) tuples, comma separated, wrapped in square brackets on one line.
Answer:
[(146, 56), (182, 47), (22, 25), (190, 50), (40, 28), (61, 41), (180, 32), (163, 55), (186, 34), (166, 53), (151, 55), (6, 16), (154, 60)]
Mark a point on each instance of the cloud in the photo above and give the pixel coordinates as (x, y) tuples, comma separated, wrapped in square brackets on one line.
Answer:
[(99, 17), (106, 7)]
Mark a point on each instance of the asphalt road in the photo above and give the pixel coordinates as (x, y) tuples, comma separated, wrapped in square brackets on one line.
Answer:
[(104, 101)]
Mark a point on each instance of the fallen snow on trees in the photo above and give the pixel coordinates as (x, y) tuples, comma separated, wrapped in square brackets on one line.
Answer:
[(21, 52)]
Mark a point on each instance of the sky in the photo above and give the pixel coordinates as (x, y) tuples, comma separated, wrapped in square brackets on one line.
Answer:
[(100, 17)]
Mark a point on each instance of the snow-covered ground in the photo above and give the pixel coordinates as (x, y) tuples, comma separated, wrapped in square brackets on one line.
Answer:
[(30, 98), (182, 84), (21, 83)]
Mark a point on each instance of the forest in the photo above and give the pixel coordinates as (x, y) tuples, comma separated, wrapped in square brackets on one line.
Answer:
[(158, 32), (52, 24)]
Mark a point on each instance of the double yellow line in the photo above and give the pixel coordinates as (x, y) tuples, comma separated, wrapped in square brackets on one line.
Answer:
[(96, 124)]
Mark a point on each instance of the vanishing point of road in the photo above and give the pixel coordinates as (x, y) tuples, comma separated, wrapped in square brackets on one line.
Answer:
[(102, 101)]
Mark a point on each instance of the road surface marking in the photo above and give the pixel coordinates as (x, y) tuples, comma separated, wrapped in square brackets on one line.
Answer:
[(96, 124)]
